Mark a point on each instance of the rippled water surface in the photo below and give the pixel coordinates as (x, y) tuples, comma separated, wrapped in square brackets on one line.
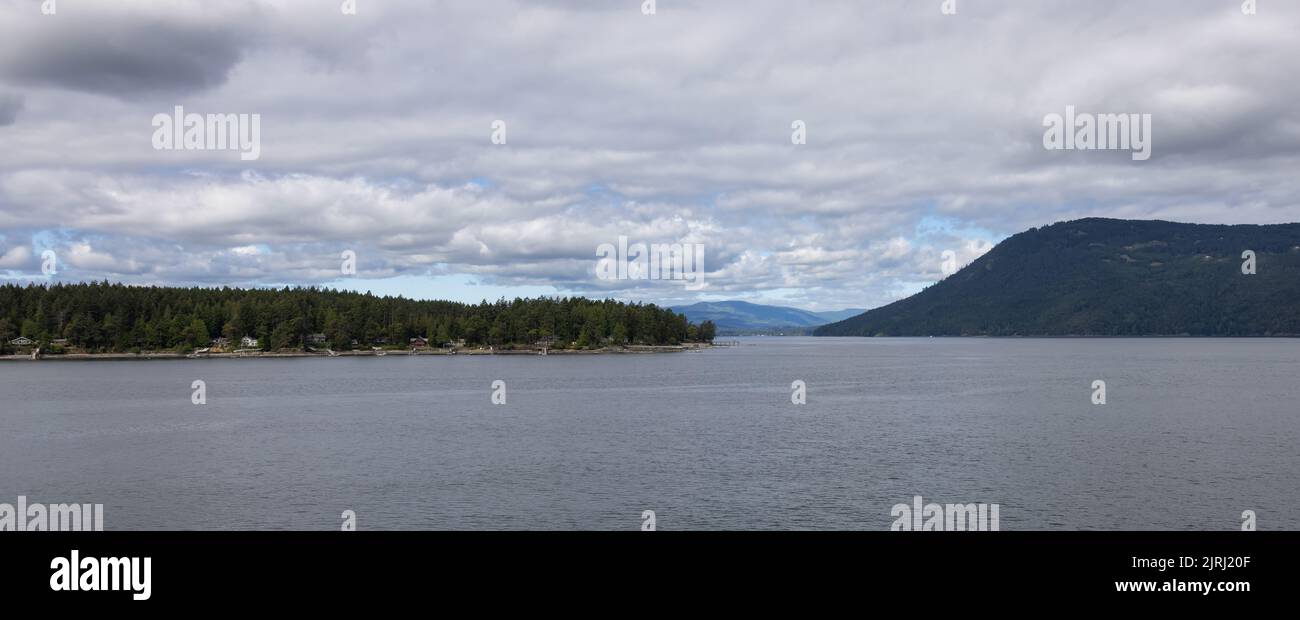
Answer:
[(1194, 431)]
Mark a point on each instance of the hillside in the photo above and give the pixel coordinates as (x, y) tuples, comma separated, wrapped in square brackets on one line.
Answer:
[(1107, 277), (733, 317)]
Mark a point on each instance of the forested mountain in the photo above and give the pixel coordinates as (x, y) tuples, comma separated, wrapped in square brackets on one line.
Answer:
[(102, 317), (1107, 277), (831, 316), (742, 316)]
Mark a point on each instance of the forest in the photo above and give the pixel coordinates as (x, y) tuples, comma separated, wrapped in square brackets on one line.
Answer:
[(105, 317)]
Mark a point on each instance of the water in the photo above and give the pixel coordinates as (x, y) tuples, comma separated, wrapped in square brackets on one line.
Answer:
[(1194, 432)]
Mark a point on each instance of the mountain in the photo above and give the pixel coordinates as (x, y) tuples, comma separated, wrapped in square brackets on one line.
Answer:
[(838, 315), (732, 317), (1107, 277)]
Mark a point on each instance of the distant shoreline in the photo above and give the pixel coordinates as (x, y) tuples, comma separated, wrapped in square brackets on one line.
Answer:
[(169, 355), (1065, 335)]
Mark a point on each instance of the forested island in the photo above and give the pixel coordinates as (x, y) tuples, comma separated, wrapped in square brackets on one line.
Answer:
[(105, 317), (1109, 277)]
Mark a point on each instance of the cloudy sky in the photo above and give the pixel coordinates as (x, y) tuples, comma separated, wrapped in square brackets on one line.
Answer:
[(924, 133)]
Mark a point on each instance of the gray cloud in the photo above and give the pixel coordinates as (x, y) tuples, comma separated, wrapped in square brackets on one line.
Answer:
[(126, 50), (10, 106)]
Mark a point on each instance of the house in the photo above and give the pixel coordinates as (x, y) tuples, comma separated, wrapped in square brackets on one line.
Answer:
[(316, 338), (248, 343), (379, 341), (419, 343), (22, 341), (220, 343), (59, 342)]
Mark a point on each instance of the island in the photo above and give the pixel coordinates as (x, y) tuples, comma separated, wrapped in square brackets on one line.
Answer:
[(103, 320)]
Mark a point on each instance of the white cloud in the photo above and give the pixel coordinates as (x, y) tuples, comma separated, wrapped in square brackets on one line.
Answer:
[(17, 257), (677, 127)]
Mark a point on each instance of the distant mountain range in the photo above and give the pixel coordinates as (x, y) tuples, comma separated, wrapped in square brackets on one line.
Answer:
[(741, 317), (1107, 277)]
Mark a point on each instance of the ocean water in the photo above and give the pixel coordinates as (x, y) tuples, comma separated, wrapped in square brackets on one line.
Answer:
[(1193, 433)]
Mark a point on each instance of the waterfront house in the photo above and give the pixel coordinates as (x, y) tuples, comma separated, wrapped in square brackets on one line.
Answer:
[(248, 343), (22, 341), (316, 338), (419, 343)]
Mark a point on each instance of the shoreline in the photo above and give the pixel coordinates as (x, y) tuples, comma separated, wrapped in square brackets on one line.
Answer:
[(169, 355)]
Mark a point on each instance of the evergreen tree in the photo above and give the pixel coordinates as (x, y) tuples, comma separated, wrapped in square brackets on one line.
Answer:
[(101, 316)]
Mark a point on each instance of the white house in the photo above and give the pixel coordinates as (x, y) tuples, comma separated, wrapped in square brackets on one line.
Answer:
[(248, 343), (22, 341)]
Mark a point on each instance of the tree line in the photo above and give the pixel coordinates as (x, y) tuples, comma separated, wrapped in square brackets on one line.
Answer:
[(108, 317)]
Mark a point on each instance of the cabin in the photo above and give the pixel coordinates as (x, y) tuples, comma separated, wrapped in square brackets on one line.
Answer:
[(22, 341), (316, 338), (419, 343), (220, 343), (248, 342), (59, 342), (544, 344)]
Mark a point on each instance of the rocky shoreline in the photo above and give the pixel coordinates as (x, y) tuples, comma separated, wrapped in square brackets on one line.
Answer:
[(170, 355)]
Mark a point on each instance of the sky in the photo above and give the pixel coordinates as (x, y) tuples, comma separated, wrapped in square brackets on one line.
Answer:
[(922, 133)]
